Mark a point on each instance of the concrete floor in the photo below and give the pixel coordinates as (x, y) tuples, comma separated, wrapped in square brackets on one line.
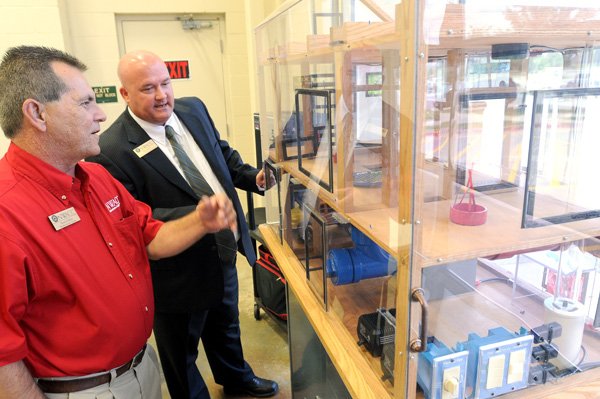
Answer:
[(264, 342)]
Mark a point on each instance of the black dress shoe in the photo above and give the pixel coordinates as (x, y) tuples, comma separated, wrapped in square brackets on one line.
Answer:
[(257, 387)]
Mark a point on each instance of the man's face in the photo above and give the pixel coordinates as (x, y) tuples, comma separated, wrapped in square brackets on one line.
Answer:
[(73, 121), (148, 92)]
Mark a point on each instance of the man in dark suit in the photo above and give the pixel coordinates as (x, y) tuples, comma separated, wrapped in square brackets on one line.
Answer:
[(149, 148)]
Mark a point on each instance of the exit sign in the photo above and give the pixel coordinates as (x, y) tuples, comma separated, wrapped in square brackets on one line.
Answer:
[(105, 94), (178, 69)]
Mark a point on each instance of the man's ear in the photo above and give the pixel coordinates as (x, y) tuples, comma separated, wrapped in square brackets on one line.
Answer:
[(35, 113), (124, 94)]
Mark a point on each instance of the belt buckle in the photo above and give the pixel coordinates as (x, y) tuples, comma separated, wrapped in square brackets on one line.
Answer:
[(137, 359)]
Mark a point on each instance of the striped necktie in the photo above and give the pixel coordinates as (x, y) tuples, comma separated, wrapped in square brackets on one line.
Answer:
[(225, 239), (191, 173)]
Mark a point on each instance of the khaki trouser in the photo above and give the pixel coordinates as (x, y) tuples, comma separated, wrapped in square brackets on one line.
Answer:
[(141, 382)]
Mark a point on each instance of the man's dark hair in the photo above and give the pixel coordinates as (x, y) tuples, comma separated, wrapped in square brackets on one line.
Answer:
[(26, 72)]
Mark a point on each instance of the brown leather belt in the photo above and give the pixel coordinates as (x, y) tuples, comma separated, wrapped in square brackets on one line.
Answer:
[(81, 384)]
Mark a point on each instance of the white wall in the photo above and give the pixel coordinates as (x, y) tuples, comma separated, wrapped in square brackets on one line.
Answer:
[(35, 22), (86, 28), (93, 34)]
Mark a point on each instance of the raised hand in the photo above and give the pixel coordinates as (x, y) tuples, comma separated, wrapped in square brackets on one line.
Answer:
[(216, 213)]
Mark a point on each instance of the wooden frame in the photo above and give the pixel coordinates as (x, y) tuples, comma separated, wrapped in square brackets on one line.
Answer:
[(415, 230)]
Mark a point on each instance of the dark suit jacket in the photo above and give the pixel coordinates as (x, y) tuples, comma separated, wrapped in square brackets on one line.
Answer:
[(192, 280)]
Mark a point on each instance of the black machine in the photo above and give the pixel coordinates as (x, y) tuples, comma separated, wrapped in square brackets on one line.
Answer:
[(375, 330)]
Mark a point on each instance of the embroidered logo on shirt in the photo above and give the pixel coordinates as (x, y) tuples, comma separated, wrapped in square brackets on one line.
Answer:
[(112, 204)]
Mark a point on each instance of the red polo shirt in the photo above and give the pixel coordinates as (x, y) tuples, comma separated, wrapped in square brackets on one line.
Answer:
[(75, 299)]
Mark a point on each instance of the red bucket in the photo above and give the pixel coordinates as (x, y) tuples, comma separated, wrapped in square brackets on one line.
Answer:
[(468, 214)]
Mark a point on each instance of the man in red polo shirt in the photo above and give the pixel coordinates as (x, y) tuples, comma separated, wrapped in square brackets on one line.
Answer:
[(76, 303)]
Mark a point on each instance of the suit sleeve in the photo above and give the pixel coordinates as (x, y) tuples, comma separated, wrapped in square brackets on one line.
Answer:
[(242, 174)]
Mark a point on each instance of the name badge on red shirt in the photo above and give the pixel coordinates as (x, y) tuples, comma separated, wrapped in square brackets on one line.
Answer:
[(65, 218)]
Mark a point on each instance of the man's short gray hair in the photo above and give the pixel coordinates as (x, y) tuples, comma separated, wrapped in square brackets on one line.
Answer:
[(26, 72)]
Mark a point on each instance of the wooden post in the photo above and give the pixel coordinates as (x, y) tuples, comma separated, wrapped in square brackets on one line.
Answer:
[(406, 25)]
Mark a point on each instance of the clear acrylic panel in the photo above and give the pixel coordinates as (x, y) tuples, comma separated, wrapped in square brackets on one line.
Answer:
[(442, 152), (505, 246), (562, 164)]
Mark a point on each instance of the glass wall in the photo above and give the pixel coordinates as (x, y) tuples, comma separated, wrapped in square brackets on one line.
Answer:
[(436, 185)]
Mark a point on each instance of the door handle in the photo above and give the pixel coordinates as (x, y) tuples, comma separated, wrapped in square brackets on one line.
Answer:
[(420, 344)]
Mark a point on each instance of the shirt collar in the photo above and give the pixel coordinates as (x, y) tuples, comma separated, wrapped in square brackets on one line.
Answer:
[(157, 132), (54, 180)]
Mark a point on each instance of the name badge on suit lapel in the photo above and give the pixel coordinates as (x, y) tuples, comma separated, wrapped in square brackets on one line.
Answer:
[(145, 148)]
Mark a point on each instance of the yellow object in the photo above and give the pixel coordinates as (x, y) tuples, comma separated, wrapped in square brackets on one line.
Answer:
[(495, 372), (516, 366), (295, 217), (450, 385)]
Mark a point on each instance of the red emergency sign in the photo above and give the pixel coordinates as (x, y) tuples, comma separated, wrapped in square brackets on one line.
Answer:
[(178, 69)]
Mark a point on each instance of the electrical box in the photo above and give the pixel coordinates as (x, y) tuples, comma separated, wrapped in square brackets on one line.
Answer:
[(498, 363)]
